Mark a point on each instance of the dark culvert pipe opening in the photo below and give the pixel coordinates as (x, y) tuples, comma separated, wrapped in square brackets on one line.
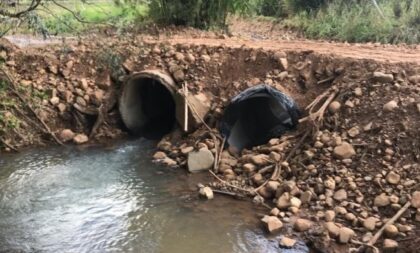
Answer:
[(256, 115), (147, 104)]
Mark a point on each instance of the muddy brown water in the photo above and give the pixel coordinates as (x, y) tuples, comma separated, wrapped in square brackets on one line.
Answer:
[(115, 200)]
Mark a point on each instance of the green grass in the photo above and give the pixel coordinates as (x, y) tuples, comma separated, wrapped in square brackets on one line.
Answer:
[(52, 19), (58, 20), (361, 23)]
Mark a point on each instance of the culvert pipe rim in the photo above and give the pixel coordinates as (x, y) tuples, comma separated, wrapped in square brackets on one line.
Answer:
[(147, 104), (256, 115)]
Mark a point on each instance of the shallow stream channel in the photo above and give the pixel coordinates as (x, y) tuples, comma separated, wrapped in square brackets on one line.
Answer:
[(114, 199)]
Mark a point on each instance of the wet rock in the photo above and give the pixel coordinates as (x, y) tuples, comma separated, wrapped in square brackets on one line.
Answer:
[(169, 162), (66, 135), (187, 150), (302, 225), (382, 77), (370, 223), (206, 192), (272, 223), (393, 178), (159, 155), (345, 235), (415, 199), (333, 230), (390, 106), (200, 160), (164, 146), (391, 231), (344, 151), (390, 245), (340, 195), (381, 200), (334, 107), (287, 242), (80, 139)]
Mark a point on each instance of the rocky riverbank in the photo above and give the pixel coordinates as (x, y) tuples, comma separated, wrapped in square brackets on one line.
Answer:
[(336, 181)]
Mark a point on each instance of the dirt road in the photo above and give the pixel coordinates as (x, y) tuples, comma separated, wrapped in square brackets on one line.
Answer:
[(383, 53)]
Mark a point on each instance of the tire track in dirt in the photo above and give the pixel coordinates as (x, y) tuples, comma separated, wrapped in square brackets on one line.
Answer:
[(382, 53)]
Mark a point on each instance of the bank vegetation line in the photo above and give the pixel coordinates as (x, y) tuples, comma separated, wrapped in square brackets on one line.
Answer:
[(13, 89)]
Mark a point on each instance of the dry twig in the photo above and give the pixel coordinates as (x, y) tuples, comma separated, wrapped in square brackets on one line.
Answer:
[(13, 89)]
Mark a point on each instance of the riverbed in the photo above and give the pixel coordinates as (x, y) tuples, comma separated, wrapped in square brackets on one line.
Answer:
[(114, 199)]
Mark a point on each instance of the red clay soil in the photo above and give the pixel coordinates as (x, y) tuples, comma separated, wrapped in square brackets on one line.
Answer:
[(382, 53)]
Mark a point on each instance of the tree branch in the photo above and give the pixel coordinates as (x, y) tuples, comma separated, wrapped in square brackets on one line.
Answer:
[(34, 4)]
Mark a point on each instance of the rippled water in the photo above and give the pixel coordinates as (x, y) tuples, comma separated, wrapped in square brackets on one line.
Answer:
[(115, 200)]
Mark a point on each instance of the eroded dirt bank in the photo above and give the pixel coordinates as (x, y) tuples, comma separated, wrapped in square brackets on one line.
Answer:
[(335, 180)]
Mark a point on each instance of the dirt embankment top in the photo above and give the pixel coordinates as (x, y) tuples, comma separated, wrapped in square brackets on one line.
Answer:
[(383, 53)]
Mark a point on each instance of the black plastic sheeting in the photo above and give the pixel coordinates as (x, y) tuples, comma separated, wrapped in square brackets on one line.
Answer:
[(257, 115)]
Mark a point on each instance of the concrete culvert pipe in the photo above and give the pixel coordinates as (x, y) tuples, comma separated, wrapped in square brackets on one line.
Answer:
[(256, 115), (147, 104)]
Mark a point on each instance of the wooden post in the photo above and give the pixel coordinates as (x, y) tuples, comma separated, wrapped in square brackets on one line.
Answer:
[(185, 86)]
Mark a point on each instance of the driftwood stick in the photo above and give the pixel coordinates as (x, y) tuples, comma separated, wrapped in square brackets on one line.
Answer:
[(86, 110), (292, 152), (5, 143), (230, 185), (378, 234), (219, 155), (232, 194), (185, 87), (216, 154), (13, 89), (99, 120)]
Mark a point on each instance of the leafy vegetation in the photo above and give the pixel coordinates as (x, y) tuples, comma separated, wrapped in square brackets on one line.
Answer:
[(196, 13), (392, 21), (353, 21)]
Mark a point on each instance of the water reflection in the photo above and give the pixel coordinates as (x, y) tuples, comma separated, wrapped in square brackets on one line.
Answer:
[(112, 200)]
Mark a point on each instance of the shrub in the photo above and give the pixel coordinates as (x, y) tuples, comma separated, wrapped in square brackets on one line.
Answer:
[(355, 22), (197, 13)]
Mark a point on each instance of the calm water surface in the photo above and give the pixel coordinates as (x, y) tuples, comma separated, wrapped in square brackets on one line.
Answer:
[(115, 200)]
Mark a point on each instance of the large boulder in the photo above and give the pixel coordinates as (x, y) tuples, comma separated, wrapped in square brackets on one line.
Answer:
[(200, 160)]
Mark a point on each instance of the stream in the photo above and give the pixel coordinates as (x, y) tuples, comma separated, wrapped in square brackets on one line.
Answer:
[(114, 199)]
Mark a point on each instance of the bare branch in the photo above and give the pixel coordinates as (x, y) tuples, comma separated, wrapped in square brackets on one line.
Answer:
[(34, 4), (77, 17)]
